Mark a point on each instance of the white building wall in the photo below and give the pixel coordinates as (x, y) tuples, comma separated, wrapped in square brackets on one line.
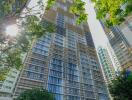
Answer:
[(8, 85), (114, 59)]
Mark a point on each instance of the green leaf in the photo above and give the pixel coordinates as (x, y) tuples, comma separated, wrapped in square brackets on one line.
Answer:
[(113, 9), (78, 8), (50, 3)]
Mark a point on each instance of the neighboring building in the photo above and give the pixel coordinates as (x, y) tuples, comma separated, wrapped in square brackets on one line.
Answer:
[(121, 42), (114, 59), (65, 62), (8, 85), (106, 63), (126, 29)]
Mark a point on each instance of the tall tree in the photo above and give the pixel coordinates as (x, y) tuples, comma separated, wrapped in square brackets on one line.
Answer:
[(113, 12), (121, 86), (36, 94)]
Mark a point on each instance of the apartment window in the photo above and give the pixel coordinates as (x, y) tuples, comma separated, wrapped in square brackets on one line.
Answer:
[(73, 98), (103, 97), (58, 97), (54, 88), (111, 35), (12, 76), (15, 72), (35, 76), (72, 66), (9, 81), (90, 94), (62, 6), (60, 20), (37, 62), (56, 67), (57, 61), (54, 80), (55, 73), (7, 87)]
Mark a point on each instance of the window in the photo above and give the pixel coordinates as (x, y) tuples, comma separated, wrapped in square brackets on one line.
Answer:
[(12, 76), (60, 20), (54, 80), (35, 76), (8, 87), (111, 35), (54, 88), (9, 81), (55, 73)]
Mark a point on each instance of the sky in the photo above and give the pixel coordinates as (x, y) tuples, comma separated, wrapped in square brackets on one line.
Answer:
[(96, 29), (98, 34)]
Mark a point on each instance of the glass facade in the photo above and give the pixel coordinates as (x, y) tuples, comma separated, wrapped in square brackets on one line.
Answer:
[(107, 64)]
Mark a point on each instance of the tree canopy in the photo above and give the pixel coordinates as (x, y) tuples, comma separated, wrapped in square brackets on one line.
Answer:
[(50, 3), (121, 86), (35, 94), (31, 27), (113, 12), (78, 8)]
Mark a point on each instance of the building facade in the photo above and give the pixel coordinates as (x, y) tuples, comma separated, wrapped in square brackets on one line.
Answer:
[(107, 66), (65, 62), (120, 41), (8, 85), (114, 59)]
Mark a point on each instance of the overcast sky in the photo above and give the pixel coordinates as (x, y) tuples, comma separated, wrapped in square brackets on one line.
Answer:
[(96, 29)]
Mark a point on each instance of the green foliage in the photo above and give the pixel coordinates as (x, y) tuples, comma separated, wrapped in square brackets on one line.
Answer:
[(128, 9), (121, 87), (36, 28), (36, 94), (50, 3), (6, 7), (78, 8), (49, 27), (32, 25), (111, 11), (14, 58), (3, 73), (12, 48), (81, 18), (23, 42)]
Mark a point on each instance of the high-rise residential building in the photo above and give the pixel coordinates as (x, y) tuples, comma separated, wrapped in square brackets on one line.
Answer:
[(114, 59), (64, 62), (107, 66), (120, 41), (8, 85)]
